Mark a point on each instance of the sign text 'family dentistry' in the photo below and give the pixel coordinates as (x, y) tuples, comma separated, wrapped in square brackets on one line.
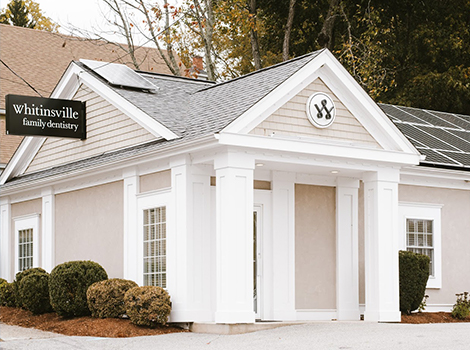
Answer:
[(38, 116)]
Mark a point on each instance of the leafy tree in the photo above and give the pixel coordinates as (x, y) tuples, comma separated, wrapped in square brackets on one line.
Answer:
[(411, 52), (26, 13), (408, 52), (17, 14)]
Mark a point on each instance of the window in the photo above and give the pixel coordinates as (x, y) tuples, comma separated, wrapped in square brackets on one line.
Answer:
[(154, 221), (421, 225), (25, 249), (26, 242), (419, 239)]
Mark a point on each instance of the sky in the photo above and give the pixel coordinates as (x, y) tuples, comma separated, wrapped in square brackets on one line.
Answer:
[(84, 14), (80, 13)]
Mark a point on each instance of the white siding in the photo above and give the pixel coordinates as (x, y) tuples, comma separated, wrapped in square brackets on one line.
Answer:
[(291, 120), (108, 129)]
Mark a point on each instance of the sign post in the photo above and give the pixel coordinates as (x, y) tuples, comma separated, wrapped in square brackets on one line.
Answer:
[(38, 116)]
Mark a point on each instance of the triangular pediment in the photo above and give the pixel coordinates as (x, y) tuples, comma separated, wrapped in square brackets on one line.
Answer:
[(291, 120), (282, 112), (108, 129)]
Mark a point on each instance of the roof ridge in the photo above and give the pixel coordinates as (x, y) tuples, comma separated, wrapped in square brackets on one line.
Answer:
[(176, 77), (314, 54)]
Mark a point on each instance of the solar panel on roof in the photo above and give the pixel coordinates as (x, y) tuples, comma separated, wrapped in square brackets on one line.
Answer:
[(427, 117), (454, 119), (444, 138), (436, 157), (119, 74), (463, 158)]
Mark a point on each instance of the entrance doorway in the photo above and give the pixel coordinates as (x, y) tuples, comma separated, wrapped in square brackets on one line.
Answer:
[(257, 258)]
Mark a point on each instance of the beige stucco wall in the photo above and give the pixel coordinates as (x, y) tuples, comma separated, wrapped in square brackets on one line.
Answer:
[(155, 181), (291, 120), (18, 210), (455, 231), (108, 129), (315, 247), (89, 226)]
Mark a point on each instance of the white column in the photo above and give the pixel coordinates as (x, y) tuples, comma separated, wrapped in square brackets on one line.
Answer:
[(177, 238), (189, 275), (347, 266), (283, 187), (131, 250), (234, 238), (381, 246), (5, 240), (200, 242), (48, 230)]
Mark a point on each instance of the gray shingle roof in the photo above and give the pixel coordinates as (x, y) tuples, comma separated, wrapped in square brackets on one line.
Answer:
[(444, 138), (215, 107), (105, 158), (190, 108), (194, 108)]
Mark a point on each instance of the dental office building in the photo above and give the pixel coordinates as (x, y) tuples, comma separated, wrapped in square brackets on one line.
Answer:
[(284, 194)]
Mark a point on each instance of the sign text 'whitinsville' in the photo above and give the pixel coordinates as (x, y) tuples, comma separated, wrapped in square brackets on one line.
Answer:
[(38, 116)]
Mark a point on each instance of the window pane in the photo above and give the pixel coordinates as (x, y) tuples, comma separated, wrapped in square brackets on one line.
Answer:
[(25, 249), (155, 247), (419, 239)]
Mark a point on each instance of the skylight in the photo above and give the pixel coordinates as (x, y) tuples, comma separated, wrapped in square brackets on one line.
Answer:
[(119, 75)]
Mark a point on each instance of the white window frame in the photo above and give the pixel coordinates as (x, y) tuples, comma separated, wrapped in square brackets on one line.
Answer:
[(425, 211), (25, 223), (144, 202)]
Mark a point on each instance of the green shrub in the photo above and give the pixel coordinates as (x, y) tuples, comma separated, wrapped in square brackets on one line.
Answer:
[(7, 294), (461, 308), (147, 306), (414, 274), (106, 298), (2, 280), (68, 284), (33, 290), (19, 277)]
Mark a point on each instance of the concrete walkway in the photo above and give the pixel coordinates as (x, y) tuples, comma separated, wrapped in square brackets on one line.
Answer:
[(311, 336)]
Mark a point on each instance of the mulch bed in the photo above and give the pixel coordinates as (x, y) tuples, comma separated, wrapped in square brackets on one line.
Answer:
[(80, 326), (431, 317), (121, 328)]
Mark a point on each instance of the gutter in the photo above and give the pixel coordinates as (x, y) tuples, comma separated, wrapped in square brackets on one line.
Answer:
[(159, 153)]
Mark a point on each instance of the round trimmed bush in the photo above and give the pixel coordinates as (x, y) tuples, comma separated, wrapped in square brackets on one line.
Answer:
[(414, 274), (19, 277), (2, 280), (33, 291), (106, 298), (68, 284), (7, 294), (147, 306)]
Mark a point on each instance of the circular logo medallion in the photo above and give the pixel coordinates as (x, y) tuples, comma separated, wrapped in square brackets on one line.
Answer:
[(321, 110)]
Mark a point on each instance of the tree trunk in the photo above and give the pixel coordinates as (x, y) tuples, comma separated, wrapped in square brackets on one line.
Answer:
[(254, 35), (325, 38), (290, 20), (208, 33)]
